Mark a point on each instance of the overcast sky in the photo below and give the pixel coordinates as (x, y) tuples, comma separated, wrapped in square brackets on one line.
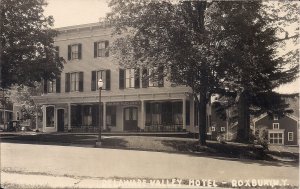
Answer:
[(75, 12)]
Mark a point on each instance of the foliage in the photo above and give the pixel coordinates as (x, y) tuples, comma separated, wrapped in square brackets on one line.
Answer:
[(22, 96), (27, 52), (253, 69), (228, 48)]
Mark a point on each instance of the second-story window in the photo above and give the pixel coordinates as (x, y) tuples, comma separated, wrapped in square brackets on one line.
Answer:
[(101, 49), (100, 74), (153, 77), (74, 81), (52, 86), (129, 78), (74, 51)]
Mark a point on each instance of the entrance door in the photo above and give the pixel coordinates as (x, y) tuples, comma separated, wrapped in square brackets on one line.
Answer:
[(60, 120), (130, 119)]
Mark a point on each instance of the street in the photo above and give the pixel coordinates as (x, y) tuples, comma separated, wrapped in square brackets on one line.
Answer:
[(39, 161)]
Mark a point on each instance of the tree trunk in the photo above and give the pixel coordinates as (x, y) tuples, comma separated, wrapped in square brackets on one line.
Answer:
[(202, 119), (243, 131)]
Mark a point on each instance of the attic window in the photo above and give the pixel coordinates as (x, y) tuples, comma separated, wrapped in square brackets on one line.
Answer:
[(275, 125)]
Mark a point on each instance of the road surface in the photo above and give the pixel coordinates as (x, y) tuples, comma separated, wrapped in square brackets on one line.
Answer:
[(37, 161)]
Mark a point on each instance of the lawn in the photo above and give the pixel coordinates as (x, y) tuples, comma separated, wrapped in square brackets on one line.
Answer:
[(162, 144)]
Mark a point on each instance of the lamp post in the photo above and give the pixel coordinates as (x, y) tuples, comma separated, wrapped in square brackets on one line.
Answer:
[(100, 85)]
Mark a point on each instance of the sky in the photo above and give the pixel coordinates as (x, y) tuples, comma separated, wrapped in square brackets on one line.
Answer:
[(76, 12)]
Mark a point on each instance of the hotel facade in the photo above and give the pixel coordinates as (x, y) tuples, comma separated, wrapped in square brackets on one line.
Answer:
[(129, 100)]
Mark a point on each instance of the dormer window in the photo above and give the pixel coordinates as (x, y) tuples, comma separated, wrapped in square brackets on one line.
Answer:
[(275, 117)]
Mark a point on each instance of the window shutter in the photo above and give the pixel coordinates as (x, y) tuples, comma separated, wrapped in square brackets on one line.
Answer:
[(58, 80), (45, 86), (69, 52), (93, 83), (122, 79), (107, 79), (160, 76), (137, 78), (67, 82), (79, 51), (106, 48), (145, 78), (57, 52), (80, 81), (95, 49)]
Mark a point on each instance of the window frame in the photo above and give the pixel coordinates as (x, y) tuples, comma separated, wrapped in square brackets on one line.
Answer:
[(101, 48), (129, 78), (273, 138), (223, 129), (103, 73), (51, 86), (76, 82), (274, 126), (290, 139), (74, 54), (213, 128)]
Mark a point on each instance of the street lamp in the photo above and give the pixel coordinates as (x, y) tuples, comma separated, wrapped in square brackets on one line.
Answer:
[(100, 85)]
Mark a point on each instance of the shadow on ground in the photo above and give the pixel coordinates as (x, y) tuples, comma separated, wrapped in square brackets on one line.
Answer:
[(229, 151)]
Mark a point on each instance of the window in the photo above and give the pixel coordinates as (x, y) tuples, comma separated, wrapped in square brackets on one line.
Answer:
[(222, 129), (50, 116), (74, 51), (129, 78), (276, 138), (100, 74), (52, 86), (101, 49), (213, 128), (290, 136), (156, 78), (275, 125), (74, 81), (275, 117)]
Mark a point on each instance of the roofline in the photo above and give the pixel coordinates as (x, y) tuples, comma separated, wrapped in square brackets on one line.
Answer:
[(265, 114), (102, 24)]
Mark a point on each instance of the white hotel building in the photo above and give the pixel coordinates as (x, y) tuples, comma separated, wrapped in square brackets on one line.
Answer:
[(129, 102)]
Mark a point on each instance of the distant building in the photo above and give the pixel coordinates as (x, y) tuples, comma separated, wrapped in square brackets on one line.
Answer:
[(281, 130), (6, 112)]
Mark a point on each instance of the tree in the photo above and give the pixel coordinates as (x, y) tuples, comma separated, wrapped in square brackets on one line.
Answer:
[(22, 96), (226, 48), (27, 53), (170, 35), (254, 70)]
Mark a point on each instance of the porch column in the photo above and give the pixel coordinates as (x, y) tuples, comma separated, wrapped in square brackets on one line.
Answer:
[(143, 115), (104, 115), (184, 114), (36, 121), (192, 114), (44, 117), (69, 116)]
